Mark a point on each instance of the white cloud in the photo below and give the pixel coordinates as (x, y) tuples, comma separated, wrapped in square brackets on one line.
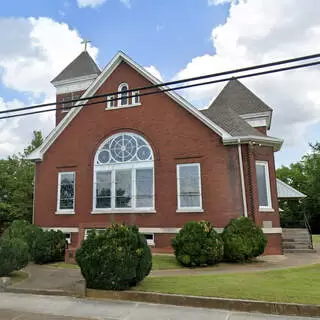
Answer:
[(154, 71), (98, 3), (30, 57), (126, 3), (259, 31), (90, 3), (217, 2)]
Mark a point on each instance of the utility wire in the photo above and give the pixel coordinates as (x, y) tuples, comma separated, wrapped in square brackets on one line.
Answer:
[(260, 66), (175, 88)]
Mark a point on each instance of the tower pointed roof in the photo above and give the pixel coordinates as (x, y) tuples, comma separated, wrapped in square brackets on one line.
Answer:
[(238, 97), (81, 66)]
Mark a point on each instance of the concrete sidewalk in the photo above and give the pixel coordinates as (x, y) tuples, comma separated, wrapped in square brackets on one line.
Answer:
[(42, 277), (34, 307)]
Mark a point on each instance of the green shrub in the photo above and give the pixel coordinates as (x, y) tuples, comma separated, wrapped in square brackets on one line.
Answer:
[(115, 259), (49, 247), (198, 244), (23, 230), (43, 246), (13, 255), (243, 240)]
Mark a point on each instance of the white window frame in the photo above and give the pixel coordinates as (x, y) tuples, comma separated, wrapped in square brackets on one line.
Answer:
[(133, 166), (72, 96), (68, 239), (90, 229), (111, 103), (134, 96), (265, 164), (120, 95), (188, 209), (150, 242), (66, 211)]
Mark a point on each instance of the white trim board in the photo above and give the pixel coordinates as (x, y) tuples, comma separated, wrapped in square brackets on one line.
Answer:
[(37, 155), (159, 230), (63, 229)]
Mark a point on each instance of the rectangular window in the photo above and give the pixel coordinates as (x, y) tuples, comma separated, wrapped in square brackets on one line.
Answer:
[(150, 238), (88, 231), (66, 191), (68, 237), (66, 101), (110, 102), (135, 97), (144, 188), (123, 187), (103, 189), (189, 186), (263, 184)]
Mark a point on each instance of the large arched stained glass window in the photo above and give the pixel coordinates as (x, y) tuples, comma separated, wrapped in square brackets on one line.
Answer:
[(123, 174)]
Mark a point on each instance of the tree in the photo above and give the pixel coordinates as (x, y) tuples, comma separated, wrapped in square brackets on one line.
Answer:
[(16, 184), (305, 177)]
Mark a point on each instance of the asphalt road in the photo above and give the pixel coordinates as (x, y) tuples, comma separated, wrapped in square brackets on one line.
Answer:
[(35, 307)]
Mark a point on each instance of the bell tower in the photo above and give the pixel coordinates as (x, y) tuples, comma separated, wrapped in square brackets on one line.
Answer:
[(73, 81)]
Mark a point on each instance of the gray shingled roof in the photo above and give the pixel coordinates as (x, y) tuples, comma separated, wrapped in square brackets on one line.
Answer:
[(238, 97), (81, 66), (230, 121), (234, 100)]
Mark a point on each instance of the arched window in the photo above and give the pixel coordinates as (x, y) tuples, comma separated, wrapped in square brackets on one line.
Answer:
[(123, 174), (123, 96)]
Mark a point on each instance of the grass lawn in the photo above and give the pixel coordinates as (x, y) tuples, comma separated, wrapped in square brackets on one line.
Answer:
[(164, 262), (299, 285), (18, 276), (316, 238), (159, 262)]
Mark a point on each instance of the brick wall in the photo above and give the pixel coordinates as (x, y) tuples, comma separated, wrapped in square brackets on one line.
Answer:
[(175, 136)]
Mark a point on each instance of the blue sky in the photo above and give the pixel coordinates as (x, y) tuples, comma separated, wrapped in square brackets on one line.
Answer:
[(178, 39), (165, 33)]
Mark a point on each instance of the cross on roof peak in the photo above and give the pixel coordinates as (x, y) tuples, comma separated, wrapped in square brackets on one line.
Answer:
[(85, 42)]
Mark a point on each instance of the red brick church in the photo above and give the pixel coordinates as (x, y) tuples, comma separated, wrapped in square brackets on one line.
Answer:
[(154, 160)]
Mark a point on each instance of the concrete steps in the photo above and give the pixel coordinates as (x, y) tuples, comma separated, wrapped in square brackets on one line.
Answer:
[(296, 241)]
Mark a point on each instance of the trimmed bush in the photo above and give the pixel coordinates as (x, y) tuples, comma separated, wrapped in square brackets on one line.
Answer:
[(198, 244), (116, 259), (243, 240), (43, 246), (13, 255), (49, 247), (23, 230)]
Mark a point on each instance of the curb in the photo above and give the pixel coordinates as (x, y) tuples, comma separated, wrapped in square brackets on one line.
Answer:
[(45, 292), (288, 309)]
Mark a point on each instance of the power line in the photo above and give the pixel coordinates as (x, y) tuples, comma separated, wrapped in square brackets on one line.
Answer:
[(175, 88), (260, 66)]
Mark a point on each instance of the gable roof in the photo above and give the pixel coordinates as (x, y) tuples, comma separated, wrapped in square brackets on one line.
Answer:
[(287, 192), (113, 64), (81, 66), (227, 124), (238, 97)]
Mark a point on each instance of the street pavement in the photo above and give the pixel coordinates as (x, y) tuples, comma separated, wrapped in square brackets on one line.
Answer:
[(36, 307)]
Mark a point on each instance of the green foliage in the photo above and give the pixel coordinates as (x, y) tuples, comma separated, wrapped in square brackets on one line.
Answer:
[(115, 259), (42, 246), (23, 230), (13, 255), (197, 244), (49, 247), (16, 185), (304, 176), (243, 240)]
